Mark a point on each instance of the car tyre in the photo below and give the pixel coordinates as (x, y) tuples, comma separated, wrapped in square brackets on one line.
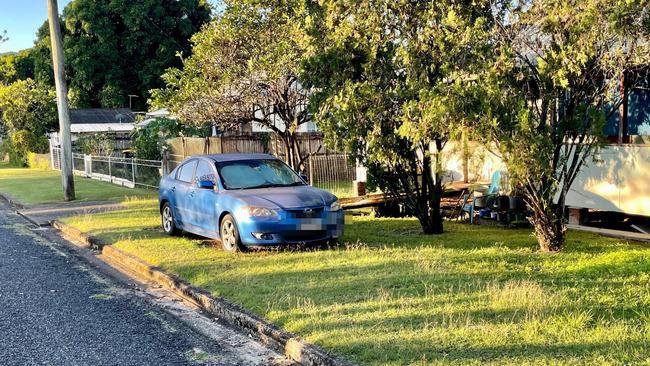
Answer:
[(229, 235), (168, 221)]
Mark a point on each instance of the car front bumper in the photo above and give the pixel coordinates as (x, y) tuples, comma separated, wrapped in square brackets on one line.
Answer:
[(291, 230)]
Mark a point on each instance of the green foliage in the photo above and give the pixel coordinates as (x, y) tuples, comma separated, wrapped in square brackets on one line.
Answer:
[(390, 78), (244, 68), (16, 66), (116, 48), (27, 105), (27, 113), (24, 142), (38, 161), (545, 92), (43, 72), (148, 142), (9, 154), (98, 144)]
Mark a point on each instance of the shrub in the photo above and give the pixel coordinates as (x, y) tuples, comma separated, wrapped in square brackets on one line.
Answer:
[(147, 142), (96, 144), (38, 161), (8, 153), (24, 142)]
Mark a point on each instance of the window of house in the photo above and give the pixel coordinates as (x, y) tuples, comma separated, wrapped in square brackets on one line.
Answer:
[(634, 126), (638, 113)]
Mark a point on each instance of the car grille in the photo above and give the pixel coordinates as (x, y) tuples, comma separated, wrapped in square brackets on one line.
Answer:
[(307, 213)]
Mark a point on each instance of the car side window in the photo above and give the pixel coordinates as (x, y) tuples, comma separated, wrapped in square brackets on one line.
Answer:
[(205, 171), (186, 172)]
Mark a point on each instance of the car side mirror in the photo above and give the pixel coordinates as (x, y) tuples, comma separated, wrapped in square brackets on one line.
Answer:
[(305, 178), (205, 184)]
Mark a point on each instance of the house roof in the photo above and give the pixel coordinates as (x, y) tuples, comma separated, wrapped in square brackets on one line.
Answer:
[(101, 127), (101, 116)]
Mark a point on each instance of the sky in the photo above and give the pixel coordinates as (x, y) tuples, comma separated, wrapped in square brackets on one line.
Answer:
[(21, 19)]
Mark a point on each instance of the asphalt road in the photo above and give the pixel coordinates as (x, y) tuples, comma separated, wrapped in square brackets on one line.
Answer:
[(56, 309)]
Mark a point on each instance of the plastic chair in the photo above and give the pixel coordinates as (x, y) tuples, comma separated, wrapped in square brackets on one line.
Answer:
[(469, 206)]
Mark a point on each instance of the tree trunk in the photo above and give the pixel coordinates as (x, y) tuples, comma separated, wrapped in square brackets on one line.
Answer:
[(431, 219), (549, 229), (432, 222), (287, 149)]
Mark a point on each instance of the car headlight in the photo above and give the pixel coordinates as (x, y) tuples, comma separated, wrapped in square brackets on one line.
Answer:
[(335, 206), (252, 211)]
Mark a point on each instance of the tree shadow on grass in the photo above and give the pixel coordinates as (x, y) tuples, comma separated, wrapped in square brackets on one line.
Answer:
[(369, 300)]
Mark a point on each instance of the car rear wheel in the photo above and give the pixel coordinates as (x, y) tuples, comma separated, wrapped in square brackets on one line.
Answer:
[(229, 235), (168, 224)]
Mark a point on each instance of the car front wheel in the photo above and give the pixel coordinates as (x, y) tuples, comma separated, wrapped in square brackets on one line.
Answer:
[(168, 224), (229, 235)]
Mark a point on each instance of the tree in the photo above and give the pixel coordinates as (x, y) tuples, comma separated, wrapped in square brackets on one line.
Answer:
[(244, 68), (28, 112), (116, 48), (549, 89), (43, 72), (388, 76), (16, 66)]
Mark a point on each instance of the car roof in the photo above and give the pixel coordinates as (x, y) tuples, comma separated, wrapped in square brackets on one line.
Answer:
[(235, 156)]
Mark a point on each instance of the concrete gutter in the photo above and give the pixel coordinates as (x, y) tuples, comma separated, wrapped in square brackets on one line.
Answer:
[(276, 338), (12, 202)]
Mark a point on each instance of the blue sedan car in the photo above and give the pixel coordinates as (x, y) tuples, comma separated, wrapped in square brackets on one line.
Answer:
[(247, 200)]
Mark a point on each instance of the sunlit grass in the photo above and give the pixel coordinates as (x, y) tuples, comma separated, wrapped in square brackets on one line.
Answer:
[(391, 296), (31, 186)]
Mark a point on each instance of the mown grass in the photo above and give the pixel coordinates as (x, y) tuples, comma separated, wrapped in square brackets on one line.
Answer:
[(391, 296), (31, 186)]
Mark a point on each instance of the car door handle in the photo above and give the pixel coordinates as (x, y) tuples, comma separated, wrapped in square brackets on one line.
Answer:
[(173, 189), (192, 194)]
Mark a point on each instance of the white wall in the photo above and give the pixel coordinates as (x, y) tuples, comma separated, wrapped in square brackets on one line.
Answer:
[(481, 163), (616, 179)]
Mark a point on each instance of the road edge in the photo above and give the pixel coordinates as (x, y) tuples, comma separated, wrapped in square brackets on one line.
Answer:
[(12, 202), (272, 336)]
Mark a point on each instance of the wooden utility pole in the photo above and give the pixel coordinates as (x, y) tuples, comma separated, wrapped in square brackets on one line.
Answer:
[(61, 101)]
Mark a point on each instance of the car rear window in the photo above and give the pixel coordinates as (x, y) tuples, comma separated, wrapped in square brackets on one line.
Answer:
[(186, 172)]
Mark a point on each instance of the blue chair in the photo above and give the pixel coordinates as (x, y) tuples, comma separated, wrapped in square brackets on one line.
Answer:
[(469, 200)]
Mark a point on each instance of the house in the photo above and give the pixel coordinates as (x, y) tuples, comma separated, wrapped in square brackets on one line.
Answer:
[(118, 122)]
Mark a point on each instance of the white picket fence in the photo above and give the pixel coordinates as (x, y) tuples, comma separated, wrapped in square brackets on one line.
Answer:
[(127, 172)]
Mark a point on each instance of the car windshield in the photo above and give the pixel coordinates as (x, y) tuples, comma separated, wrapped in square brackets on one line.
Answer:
[(248, 174)]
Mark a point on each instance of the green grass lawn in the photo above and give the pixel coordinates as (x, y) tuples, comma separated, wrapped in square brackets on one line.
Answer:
[(391, 296), (31, 186)]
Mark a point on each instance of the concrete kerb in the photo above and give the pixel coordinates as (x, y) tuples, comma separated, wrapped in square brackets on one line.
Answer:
[(78, 237), (17, 206), (293, 346), (12, 202)]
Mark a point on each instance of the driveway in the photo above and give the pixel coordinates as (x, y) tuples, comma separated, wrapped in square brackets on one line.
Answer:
[(58, 309)]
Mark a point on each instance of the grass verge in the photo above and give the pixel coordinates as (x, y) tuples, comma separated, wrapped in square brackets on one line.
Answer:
[(31, 186), (391, 296)]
